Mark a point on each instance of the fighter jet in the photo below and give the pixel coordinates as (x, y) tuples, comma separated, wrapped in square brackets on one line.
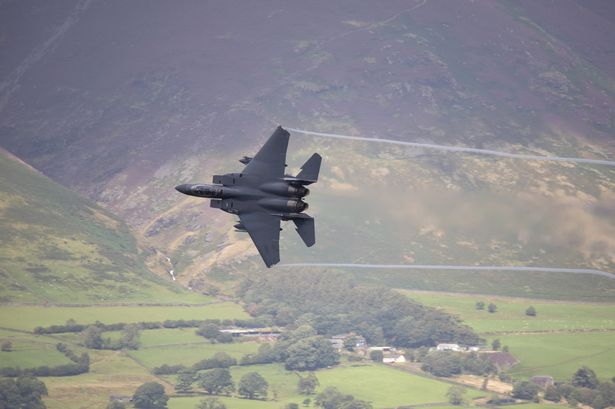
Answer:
[(262, 196)]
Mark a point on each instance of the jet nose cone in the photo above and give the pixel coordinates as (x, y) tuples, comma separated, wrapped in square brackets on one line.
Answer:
[(185, 189)]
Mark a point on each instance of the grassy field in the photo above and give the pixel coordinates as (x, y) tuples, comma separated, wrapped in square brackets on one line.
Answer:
[(111, 373), (560, 355), (32, 354), (29, 317), (30, 351), (56, 246), (384, 386), (190, 353), (562, 337), (164, 337), (510, 315)]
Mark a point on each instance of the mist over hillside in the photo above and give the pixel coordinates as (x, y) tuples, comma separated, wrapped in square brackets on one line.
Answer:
[(121, 101)]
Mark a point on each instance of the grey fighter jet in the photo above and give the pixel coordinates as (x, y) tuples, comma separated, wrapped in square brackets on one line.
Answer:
[(262, 195)]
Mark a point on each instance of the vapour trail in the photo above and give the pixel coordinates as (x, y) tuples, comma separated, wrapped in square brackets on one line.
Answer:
[(459, 149), (453, 267), (11, 84)]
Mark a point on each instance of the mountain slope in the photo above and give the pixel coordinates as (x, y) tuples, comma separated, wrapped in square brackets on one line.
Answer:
[(56, 246), (137, 97)]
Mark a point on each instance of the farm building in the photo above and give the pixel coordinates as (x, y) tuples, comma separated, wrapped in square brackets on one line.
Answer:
[(383, 349), (394, 359), (338, 341), (502, 360), (449, 347)]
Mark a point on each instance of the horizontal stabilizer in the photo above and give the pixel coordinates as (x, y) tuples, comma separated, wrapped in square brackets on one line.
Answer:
[(310, 169), (305, 228)]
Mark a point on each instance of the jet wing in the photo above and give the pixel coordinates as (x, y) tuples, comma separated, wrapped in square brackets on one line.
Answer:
[(264, 230), (270, 161)]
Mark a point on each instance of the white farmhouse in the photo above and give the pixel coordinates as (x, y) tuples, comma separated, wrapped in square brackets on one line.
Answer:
[(449, 347)]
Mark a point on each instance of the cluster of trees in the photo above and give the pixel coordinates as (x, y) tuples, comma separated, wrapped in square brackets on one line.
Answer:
[(150, 395), (72, 326), (492, 308), (80, 364), (332, 303), (218, 360), (23, 392), (304, 350), (211, 331), (92, 338), (447, 363), (332, 398), (218, 381), (584, 388)]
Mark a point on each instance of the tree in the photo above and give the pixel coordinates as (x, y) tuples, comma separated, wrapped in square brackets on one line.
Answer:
[(505, 348), (376, 355), (184, 382), (307, 402), (217, 381), (130, 337), (150, 395), (456, 395), (115, 404), (291, 406), (209, 330), (219, 360), (443, 364), (552, 394), (480, 305), (24, 392), (356, 404), (307, 385), (492, 308), (311, 353), (331, 398), (585, 378), (92, 337), (531, 311), (607, 390), (7, 346), (496, 344), (525, 390), (210, 403), (253, 386)]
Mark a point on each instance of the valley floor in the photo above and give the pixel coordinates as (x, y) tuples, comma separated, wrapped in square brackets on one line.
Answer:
[(548, 344)]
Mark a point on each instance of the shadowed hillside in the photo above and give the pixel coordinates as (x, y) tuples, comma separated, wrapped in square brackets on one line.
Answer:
[(122, 101), (58, 247)]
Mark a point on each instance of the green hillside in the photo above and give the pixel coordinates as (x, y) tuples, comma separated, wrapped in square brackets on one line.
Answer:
[(56, 246)]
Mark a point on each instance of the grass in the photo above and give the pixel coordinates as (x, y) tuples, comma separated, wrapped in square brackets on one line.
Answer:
[(31, 354), (30, 351), (111, 373), (384, 386), (29, 317), (560, 355), (57, 246), (233, 403), (189, 354), (510, 315), (165, 337)]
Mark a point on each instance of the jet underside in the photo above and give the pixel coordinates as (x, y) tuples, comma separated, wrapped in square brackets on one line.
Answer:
[(262, 196)]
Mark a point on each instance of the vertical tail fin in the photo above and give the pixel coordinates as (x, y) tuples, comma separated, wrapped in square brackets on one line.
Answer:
[(310, 169), (305, 228)]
